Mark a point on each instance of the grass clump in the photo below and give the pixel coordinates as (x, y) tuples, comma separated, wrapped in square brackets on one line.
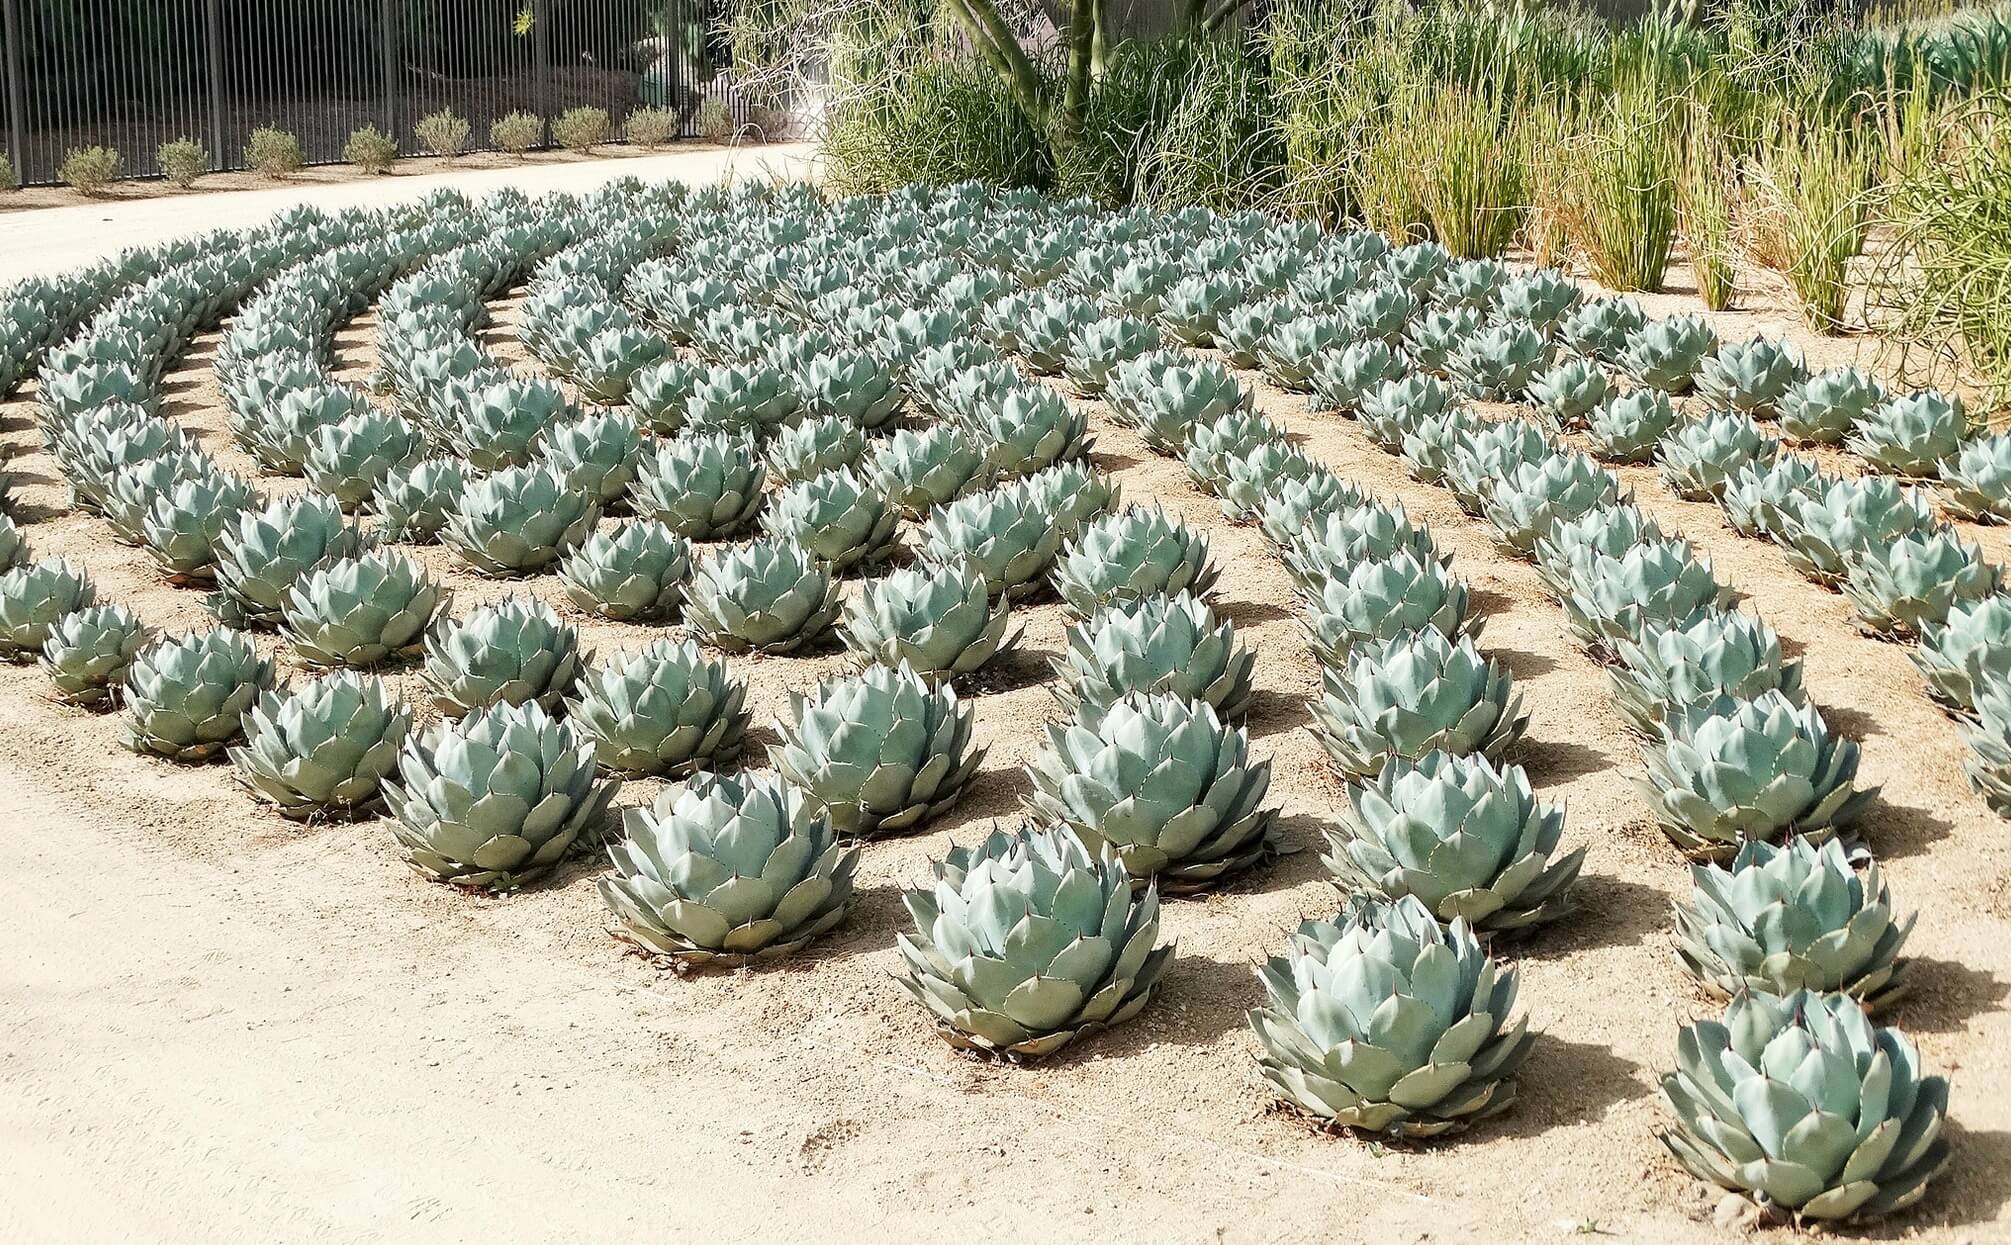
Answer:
[(1707, 202), (181, 161), (1620, 197), (88, 170), (1810, 185), (1472, 178)]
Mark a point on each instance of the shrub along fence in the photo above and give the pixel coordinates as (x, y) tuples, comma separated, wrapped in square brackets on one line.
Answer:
[(133, 74)]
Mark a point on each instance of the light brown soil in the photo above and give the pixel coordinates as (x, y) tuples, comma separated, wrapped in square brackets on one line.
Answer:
[(217, 1025)]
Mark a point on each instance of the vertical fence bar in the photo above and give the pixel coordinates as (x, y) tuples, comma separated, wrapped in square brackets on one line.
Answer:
[(17, 90), (213, 36), (541, 59), (387, 34)]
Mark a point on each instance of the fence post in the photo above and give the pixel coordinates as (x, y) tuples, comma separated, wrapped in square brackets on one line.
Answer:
[(213, 36), (17, 91), (541, 61), (387, 36)]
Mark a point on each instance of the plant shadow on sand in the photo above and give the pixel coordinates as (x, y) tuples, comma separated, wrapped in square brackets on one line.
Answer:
[(1943, 995), (1608, 912), (1896, 831), (1561, 1083), (1199, 1000), (1560, 760), (1973, 1190)]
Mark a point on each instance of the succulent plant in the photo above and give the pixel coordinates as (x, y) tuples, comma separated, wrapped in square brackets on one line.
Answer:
[(261, 555), (1431, 338), (1339, 378), (89, 651), (596, 455), (280, 434), (1007, 534), (1434, 442), (701, 486), (1418, 267), (1750, 377), (493, 800), (1331, 544), (1029, 941), (1167, 403), (1156, 644), (349, 460), (512, 652), (849, 385), (13, 545), (770, 596), (1542, 298), (1131, 554), (1413, 694), (415, 499), (1500, 360), (184, 524), (33, 599), (186, 698), (839, 517), (1599, 328), (1071, 494), (1720, 652), (1490, 453), (636, 575), (1529, 500), (518, 521), (1821, 534), (1029, 429), (931, 377), (880, 752), (361, 611), (938, 620), (1294, 350), (1734, 770), (1094, 352), (1298, 500), (1600, 531), (1161, 781), (1826, 406), (1613, 597), (324, 750), (1191, 310), (1242, 330), (1379, 310), (1699, 456), (1976, 479), (813, 446), (1804, 1107), (1793, 917), (728, 872), (1250, 479), (661, 394), (1905, 584), (1570, 392), (1910, 436), (1758, 496), (667, 710), (1667, 354), (741, 399), (1960, 652), (1464, 837), (1383, 598), (1211, 445), (1386, 1021), (501, 423)]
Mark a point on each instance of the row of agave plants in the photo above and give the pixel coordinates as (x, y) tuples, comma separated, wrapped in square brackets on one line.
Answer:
[(808, 329)]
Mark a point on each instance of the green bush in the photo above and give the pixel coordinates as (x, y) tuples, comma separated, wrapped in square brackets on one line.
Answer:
[(444, 133), (6, 171), (1128, 113), (517, 132), (1621, 190), (273, 152), (581, 129), (714, 122), (650, 127), (945, 121), (371, 150), (88, 170), (182, 161)]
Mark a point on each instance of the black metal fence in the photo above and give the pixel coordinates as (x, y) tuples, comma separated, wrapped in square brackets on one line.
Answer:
[(133, 74)]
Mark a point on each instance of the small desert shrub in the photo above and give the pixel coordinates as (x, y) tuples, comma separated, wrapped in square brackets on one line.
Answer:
[(182, 161), (445, 133), (89, 170), (517, 132), (273, 152), (651, 127), (714, 121), (580, 129), (1708, 195), (6, 171), (371, 150)]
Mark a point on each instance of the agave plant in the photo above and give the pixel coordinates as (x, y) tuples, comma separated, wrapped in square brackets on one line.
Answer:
[(33, 599), (1380, 599), (349, 460), (1758, 496), (1733, 770), (881, 752), (1029, 941), (1298, 500), (1793, 917), (518, 521), (185, 523), (186, 698), (1910, 436), (1191, 310), (1413, 694), (13, 545), (1339, 378), (1389, 410), (1210, 446), (1250, 479), (264, 553), (1960, 652), (741, 400), (1570, 392), (512, 652), (1500, 360), (1433, 443), (1131, 554), (1599, 328), (1542, 298), (667, 710), (1333, 543), (727, 872), (939, 621), (1826, 406), (1164, 783), (851, 386), (661, 394), (1006, 534), (1242, 330), (361, 611), (768, 596), (1750, 377), (493, 800), (839, 518), (1488, 453), (636, 575), (1029, 429), (1699, 456), (1603, 531), (1156, 644), (415, 499), (1821, 534), (1629, 428), (89, 651), (1071, 495), (1464, 837), (1380, 310), (1720, 652), (704, 487), (1906, 584), (810, 447), (1667, 354), (1976, 479), (922, 470), (1435, 334), (1095, 352), (501, 423), (1613, 597), (1805, 1108), (324, 750), (280, 434), (1387, 1021), (1529, 500), (1296, 348)]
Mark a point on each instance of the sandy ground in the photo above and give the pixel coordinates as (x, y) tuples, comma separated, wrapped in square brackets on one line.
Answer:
[(215, 1025)]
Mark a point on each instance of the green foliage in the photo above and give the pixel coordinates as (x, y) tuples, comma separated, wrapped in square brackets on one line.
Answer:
[(942, 122), (371, 150), (88, 170), (517, 132), (650, 127), (580, 129), (181, 161), (273, 152), (444, 133)]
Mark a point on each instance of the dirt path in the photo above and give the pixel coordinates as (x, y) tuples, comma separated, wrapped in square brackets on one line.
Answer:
[(217, 1026)]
